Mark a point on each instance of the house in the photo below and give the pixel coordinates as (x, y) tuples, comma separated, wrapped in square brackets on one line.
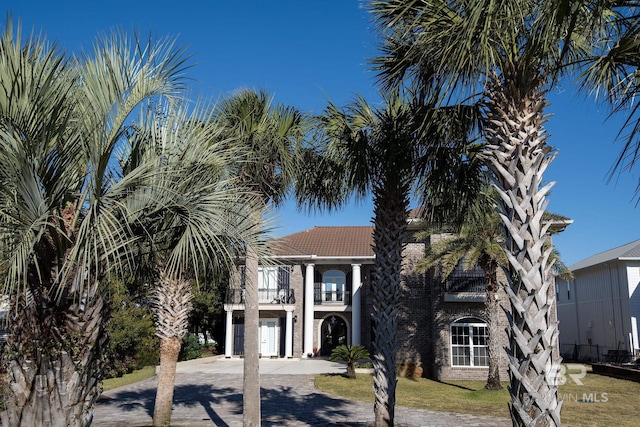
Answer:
[(599, 308), (317, 295)]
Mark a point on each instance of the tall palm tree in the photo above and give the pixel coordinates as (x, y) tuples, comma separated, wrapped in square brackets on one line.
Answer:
[(268, 137), (196, 218), (383, 151), (477, 243), (62, 220), (512, 52)]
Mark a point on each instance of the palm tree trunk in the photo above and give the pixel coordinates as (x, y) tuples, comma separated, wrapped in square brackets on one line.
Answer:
[(251, 378), (169, 352), (389, 229), (519, 156), (351, 370), (492, 312), (171, 303), (54, 359)]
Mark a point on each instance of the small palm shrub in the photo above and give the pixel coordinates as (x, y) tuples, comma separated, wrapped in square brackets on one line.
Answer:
[(351, 355)]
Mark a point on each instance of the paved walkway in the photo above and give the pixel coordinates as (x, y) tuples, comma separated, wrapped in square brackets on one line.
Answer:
[(209, 393)]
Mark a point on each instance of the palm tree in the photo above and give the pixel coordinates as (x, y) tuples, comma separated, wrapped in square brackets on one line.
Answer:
[(62, 219), (196, 218), (351, 355), (512, 51), (268, 138), (476, 244), (611, 72), (384, 151)]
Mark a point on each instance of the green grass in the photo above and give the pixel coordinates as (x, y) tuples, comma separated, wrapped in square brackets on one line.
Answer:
[(615, 402), (133, 377)]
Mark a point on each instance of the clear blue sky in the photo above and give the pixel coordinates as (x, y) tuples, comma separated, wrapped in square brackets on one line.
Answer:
[(307, 52)]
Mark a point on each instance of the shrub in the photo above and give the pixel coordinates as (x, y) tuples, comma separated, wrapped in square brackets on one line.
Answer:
[(133, 343), (191, 348)]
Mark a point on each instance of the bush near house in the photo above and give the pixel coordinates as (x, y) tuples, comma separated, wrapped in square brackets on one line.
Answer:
[(191, 348), (133, 343)]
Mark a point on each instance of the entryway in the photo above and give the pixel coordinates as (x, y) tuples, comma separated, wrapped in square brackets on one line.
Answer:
[(334, 333), (268, 337)]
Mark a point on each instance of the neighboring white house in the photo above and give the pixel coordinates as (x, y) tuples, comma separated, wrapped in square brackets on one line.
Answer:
[(599, 308)]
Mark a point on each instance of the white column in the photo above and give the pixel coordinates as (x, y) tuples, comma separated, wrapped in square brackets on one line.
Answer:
[(356, 321), (308, 312), (228, 334), (288, 335)]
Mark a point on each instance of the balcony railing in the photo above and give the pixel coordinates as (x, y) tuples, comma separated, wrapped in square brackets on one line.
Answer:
[(323, 296), (461, 283), (465, 286), (265, 296), (469, 281)]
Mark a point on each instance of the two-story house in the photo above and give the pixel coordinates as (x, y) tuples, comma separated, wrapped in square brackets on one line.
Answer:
[(317, 295)]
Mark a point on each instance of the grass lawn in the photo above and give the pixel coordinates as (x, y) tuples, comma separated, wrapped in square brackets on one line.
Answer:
[(613, 401), (135, 376)]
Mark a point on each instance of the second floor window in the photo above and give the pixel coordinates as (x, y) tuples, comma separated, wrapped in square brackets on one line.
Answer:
[(267, 278), (333, 283)]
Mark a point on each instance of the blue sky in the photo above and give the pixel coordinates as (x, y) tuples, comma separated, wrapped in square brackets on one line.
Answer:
[(307, 52)]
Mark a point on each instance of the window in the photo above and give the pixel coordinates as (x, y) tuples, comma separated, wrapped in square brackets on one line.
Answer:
[(267, 284), (333, 281), (267, 278), (469, 343), (568, 290)]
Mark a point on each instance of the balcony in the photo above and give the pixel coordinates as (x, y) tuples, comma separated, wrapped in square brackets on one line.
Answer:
[(265, 296), (464, 286), (323, 296)]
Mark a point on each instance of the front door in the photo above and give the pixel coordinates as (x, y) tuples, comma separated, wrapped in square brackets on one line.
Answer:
[(334, 333), (268, 337)]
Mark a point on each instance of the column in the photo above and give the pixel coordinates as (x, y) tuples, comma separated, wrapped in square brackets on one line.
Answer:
[(288, 334), (356, 321), (308, 311), (228, 334)]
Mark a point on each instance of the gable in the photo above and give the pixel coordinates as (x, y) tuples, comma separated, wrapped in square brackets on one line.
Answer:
[(628, 252)]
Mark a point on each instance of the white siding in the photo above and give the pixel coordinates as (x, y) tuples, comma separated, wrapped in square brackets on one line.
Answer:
[(633, 282), (595, 309)]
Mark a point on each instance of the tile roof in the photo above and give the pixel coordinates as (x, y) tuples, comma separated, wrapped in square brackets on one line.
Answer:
[(348, 241), (630, 251)]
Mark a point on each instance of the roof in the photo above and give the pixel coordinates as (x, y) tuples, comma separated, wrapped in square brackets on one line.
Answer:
[(628, 252), (348, 241)]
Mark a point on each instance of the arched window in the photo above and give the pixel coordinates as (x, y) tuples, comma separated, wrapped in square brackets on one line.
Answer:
[(469, 343), (333, 285)]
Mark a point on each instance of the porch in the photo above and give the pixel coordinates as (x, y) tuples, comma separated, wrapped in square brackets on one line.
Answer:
[(265, 296)]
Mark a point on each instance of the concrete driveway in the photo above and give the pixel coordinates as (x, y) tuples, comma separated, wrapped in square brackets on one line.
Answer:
[(208, 392)]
